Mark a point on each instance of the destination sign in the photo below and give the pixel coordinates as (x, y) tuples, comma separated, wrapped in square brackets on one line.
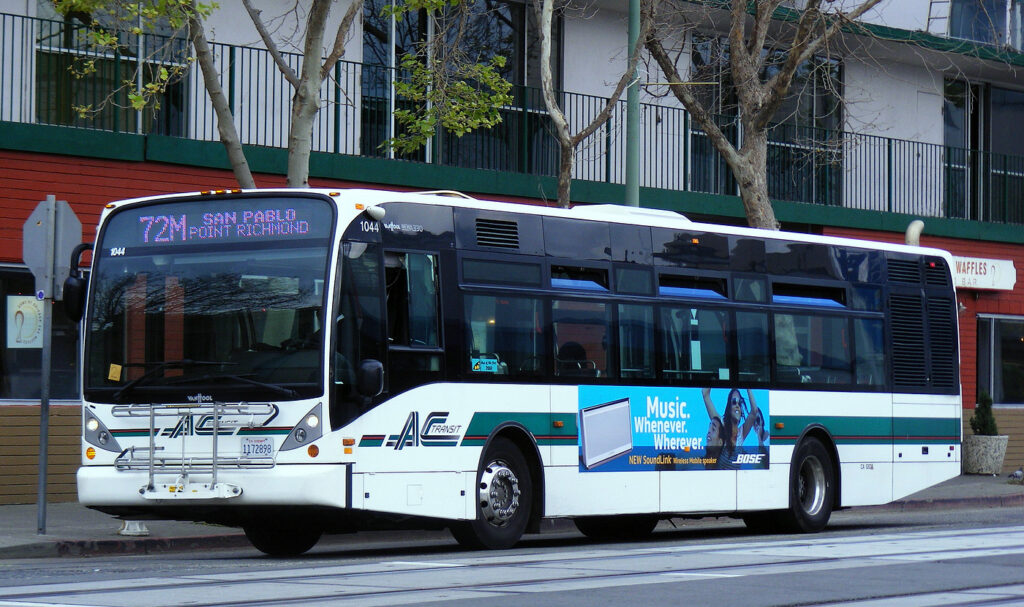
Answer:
[(218, 221)]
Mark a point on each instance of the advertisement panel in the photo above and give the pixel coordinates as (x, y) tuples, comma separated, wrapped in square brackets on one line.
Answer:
[(631, 428)]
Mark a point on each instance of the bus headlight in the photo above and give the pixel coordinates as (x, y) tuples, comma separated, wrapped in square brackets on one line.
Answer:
[(307, 430), (97, 434)]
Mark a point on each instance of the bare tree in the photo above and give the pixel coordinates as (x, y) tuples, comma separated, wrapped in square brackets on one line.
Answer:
[(758, 97), (307, 83), (221, 107), (451, 102), (567, 142)]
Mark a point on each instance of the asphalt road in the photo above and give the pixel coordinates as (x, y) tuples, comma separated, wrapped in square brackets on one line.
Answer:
[(932, 557)]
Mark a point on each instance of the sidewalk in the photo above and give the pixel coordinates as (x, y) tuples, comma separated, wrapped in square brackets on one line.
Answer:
[(72, 530)]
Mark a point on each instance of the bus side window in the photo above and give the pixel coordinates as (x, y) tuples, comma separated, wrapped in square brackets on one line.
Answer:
[(636, 341), (581, 338), (752, 346), (870, 343), (695, 344), (505, 336), (411, 282), (812, 349)]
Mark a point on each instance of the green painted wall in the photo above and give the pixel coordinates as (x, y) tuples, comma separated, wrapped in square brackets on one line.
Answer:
[(207, 154)]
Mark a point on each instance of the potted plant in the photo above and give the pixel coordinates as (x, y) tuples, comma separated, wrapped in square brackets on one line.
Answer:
[(983, 452)]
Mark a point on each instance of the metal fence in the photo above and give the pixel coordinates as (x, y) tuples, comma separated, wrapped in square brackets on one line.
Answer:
[(41, 82)]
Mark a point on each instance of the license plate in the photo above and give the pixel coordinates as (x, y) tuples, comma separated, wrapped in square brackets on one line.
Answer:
[(257, 447)]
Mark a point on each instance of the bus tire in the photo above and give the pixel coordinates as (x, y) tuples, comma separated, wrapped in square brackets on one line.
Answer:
[(621, 527), (503, 501), (287, 541), (761, 522), (812, 488)]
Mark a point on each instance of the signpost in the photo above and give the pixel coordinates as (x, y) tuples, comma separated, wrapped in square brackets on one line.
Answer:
[(50, 235)]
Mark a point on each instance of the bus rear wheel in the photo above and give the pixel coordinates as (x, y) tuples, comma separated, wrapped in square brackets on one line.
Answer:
[(622, 527), (289, 541), (503, 500), (811, 488)]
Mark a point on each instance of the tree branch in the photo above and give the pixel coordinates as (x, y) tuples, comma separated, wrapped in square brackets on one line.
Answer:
[(683, 94), (225, 121), (762, 20), (338, 51), (268, 41), (803, 49), (627, 77)]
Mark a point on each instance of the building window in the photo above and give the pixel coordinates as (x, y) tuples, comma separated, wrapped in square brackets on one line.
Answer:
[(64, 49), (996, 22), (802, 164), (21, 351), (1001, 359), (508, 28), (984, 143)]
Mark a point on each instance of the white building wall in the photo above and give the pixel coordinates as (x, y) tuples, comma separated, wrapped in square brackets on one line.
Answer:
[(895, 159), (262, 94), (905, 14)]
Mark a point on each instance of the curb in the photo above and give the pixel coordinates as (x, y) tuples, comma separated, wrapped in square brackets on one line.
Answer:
[(105, 547), (157, 545), (1003, 501)]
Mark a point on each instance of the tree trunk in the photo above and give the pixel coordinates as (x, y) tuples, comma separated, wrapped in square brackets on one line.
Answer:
[(751, 174), (306, 101), (225, 120), (305, 104), (565, 159)]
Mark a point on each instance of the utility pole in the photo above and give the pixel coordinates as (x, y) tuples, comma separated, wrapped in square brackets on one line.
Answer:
[(633, 115)]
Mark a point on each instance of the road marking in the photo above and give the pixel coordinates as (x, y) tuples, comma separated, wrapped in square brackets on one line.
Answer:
[(691, 574), (422, 564)]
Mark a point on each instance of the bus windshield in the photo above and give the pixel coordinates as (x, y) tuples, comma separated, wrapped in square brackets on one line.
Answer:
[(223, 302)]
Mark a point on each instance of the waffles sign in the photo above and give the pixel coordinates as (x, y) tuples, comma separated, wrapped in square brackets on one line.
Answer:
[(980, 273)]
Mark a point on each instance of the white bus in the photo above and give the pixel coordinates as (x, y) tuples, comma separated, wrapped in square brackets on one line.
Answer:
[(300, 362)]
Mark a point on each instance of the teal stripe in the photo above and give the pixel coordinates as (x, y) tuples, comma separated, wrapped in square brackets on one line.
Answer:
[(869, 430), (540, 425)]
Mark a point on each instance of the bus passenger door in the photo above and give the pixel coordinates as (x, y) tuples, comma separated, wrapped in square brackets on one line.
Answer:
[(415, 349)]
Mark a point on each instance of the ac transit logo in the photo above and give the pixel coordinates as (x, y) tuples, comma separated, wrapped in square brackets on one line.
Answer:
[(195, 425), (435, 432)]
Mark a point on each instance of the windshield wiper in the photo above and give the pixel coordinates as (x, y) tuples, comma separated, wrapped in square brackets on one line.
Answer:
[(167, 364), (239, 378)]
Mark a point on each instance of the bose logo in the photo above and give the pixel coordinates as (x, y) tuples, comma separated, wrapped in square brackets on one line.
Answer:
[(749, 458)]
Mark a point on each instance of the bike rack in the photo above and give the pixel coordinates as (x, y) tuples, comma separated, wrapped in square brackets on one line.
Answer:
[(225, 415)]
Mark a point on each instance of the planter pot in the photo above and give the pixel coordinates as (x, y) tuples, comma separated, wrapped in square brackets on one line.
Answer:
[(984, 454)]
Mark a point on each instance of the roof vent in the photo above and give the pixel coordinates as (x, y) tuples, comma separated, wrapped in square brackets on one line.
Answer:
[(497, 233)]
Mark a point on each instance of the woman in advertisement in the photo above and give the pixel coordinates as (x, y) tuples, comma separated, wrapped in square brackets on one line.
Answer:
[(725, 433)]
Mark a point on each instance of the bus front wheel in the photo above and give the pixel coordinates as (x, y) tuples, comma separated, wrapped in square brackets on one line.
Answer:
[(811, 488), (503, 499)]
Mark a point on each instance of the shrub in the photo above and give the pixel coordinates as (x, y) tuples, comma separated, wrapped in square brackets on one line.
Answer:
[(983, 422)]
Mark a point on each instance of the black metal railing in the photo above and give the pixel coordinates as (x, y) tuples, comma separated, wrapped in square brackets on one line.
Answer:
[(42, 81)]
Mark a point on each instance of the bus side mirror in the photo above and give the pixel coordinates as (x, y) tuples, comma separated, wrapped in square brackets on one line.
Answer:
[(370, 377), (75, 286), (74, 297)]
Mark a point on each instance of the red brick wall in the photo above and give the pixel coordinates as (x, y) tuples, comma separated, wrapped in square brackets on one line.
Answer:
[(88, 184), (975, 302)]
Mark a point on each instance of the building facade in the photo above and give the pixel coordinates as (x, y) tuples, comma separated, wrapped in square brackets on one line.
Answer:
[(921, 117)]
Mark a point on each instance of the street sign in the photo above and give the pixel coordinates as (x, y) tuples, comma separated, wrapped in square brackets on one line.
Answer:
[(50, 234)]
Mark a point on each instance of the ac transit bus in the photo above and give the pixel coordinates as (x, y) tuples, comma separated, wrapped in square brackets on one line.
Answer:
[(299, 362)]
